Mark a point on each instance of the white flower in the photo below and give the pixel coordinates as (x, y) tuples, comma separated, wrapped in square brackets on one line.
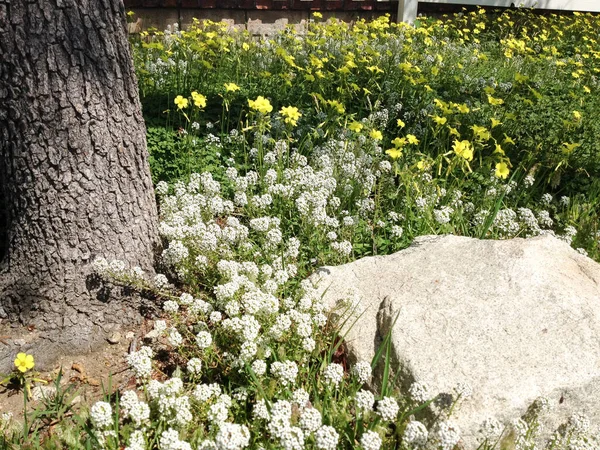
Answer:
[(344, 248), (286, 372), (362, 371), (546, 198), (364, 400), (141, 362), (136, 441), (326, 438), (170, 306), (260, 410), (162, 188), (160, 326), (334, 373), (204, 392), (308, 344), (528, 180), (491, 428), (169, 440), (203, 339), (310, 420), (448, 434), (300, 397), (259, 367), (292, 438), (415, 433), (442, 215), (194, 366), (174, 337), (396, 231), (101, 415), (387, 408), (161, 281), (419, 392), (186, 299), (218, 412), (370, 440), (232, 436)]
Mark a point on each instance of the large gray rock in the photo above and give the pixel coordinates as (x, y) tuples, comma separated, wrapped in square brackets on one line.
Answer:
[(514, 319)]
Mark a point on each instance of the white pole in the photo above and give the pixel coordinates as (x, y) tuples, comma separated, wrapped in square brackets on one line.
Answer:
[(407, 10)]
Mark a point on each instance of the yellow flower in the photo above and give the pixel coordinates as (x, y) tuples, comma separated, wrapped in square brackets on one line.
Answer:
[(199, 100), (439, 120), (495, 101), (463, 109), (587, 89), (508, 140), (422, 165), (337, 106), (291, 114), (495, 122), (394, 153), (245, 46), (499, 149), (355, 126), (463, 149), (412, 139), (261, 104), (577, 115), (24, 362), (502, 170), (570, 147), (521, 78), (317, 15), (400, 123), (399, 142), (481, 133), (231, 87), (181, 102), (454, 131), (376, 135)]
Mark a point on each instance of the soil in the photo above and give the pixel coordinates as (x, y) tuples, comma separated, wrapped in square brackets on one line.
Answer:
[(91, 375)]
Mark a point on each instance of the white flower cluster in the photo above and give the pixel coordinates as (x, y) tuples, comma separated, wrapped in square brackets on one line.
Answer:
[(169, 440), (170, 403), (141, 362), (415, 433), (370, 440), (419, 392), (131, 407), (232, 436), (387, 408), (101, 415), (334, 373), (286, 372), (362, 371)]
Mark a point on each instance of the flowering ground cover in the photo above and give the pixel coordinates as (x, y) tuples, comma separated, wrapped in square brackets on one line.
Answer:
[(275, 156)]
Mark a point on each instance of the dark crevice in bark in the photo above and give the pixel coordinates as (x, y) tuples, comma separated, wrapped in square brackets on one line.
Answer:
[(73, 165)]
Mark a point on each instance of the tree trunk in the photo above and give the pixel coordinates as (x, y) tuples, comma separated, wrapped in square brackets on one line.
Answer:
[(74, 174)]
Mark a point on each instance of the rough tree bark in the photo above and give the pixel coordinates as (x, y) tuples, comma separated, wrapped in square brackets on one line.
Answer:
[(74, 174)]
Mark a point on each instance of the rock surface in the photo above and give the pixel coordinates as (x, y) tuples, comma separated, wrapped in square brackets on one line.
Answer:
[(514, 319)]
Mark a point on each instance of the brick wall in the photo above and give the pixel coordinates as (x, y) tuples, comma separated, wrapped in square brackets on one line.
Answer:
[(298, 5)]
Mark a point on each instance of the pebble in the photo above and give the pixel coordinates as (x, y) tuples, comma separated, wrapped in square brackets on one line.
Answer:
[(114, 338)]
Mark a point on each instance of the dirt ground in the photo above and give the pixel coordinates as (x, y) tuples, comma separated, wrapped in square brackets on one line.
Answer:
[(91, 375)]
